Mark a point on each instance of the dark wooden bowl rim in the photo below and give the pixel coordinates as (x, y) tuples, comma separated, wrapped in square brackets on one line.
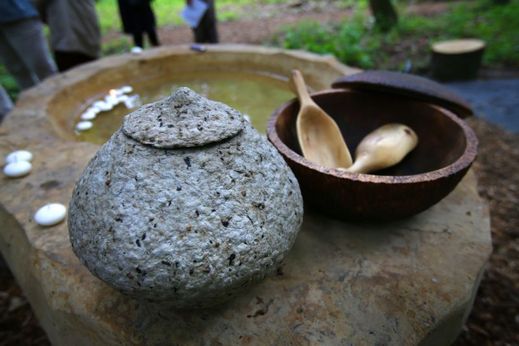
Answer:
[(464, 161), (408, 85)]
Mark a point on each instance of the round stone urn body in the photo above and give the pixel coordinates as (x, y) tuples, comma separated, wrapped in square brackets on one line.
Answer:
[(186, 203)]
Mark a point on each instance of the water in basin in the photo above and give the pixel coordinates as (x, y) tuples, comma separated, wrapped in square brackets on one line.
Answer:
[(251, 93)]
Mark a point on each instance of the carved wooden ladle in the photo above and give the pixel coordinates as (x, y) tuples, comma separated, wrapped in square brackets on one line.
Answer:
[(319, 136), (384, 147)]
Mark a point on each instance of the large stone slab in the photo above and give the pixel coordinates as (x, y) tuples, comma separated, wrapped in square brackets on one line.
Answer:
[(401, 283)]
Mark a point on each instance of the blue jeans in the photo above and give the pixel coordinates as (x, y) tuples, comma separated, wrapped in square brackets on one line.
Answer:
[(24, 52), (5, 105)]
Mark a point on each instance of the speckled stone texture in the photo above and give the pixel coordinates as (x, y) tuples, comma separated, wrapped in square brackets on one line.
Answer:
[(404, 283), (191, 226), (182, 120)]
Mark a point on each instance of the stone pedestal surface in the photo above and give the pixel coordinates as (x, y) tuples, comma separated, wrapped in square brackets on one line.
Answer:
[(401, 283)]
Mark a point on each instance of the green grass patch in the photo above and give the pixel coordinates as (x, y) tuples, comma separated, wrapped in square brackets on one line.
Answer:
[(8, 82), (350, 42), (167, 12), (346, 42), (497, 25), (117, 46), (356, 42)]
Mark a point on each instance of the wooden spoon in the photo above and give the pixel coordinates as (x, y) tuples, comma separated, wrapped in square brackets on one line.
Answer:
[(319, 136), (384, 147)]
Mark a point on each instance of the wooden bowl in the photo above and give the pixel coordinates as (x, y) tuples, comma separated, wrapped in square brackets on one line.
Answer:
[(446, 149)]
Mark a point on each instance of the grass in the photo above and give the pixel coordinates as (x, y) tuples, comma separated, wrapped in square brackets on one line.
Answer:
[(167, 12), (350, 42), (497, 25), (8, 82), (357, 42)]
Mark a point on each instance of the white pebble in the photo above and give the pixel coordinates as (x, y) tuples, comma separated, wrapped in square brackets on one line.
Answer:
[(18, 155), (50, 214), (132, 102), (128, 104), (247, 117), (123, 98), (111, 100), (84, 125), (98, 104), (116, 92), (102, 106), (88, 115), (17, 169), (126, 89), (105, 107)]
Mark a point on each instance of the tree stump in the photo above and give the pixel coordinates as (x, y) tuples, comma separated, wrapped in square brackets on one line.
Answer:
[(456, 59)]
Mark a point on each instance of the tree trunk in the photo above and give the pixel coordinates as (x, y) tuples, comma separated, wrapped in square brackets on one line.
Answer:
[(384, 13)]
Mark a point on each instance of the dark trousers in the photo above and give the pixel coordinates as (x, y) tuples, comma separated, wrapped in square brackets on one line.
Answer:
[(206, 31), (68, 60), (138, 38)]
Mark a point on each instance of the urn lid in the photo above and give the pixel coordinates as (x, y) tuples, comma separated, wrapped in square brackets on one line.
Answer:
[(184, 119)]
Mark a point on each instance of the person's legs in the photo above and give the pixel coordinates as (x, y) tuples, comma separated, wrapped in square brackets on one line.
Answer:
[(152, 36), (138, 39), (68, 60), (211, 31), (14, 64), (206, 31), (202, 31), (199, 33), (5, 103), (30, 46)]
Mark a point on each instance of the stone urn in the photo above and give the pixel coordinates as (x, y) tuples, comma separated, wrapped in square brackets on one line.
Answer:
[(186, 203)]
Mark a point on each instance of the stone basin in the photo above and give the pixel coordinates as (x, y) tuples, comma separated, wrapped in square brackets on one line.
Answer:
[(401, 283)]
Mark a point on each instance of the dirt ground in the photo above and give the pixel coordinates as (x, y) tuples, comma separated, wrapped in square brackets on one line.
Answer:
[(259, 23), (495, 317)]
